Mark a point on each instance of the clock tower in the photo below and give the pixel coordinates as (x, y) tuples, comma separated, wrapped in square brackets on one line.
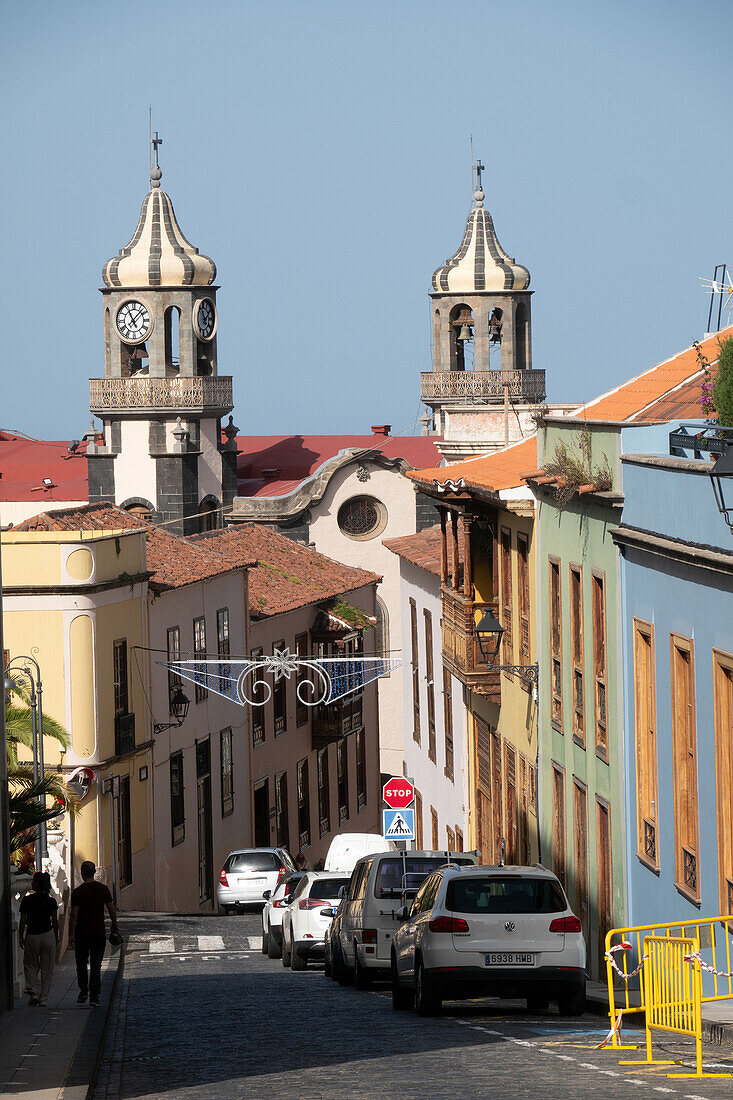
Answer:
[(161, 401)]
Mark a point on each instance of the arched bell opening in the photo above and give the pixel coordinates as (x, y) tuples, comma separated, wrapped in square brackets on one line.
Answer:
[(496, 318), (172, 340), (135, 359), (461, 338), (204, 356), (521, 341), (210, 516)]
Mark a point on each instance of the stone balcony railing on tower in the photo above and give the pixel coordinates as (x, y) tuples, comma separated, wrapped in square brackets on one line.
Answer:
[(211, 394), (483, 385)]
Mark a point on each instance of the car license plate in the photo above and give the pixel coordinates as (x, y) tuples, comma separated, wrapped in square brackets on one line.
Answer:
[(247, 881), (510, 958)]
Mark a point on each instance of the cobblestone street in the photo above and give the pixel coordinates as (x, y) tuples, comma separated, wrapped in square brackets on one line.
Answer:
[(200, 1012)]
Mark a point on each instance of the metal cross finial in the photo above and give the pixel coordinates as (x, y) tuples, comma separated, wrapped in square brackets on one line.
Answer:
[(155, 172), (155, 143), (479, 167)]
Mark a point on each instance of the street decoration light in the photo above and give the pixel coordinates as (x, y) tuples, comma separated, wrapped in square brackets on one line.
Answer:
[(488, 632), (29, 668), (179, 709)]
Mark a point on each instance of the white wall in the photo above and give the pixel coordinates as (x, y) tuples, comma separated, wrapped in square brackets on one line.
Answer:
[(15, 511), (135, 470), (450, 799), (397, 494)]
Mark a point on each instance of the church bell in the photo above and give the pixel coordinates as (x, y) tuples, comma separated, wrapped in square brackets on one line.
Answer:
[(464, 334)]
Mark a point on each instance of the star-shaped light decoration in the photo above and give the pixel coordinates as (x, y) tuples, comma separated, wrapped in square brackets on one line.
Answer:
[(283, 663)]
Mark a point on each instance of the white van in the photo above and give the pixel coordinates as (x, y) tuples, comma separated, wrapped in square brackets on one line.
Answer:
[(346, 848), (380, 884)]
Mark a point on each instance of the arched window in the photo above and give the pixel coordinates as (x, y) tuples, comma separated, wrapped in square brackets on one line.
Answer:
[(209, 518), (461, 338), (172, 340), (141, 510), (521, 325), (382, 629)]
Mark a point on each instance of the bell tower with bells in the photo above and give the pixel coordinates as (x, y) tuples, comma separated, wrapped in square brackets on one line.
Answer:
[(160, 451), (482, 372)]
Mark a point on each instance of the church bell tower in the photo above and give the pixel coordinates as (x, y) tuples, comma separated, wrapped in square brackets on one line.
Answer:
[(162, 400)]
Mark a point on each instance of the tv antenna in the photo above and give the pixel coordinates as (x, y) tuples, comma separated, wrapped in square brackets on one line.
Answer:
[(721, 285)]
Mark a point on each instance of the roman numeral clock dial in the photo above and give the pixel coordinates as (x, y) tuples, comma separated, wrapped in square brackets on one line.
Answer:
[(133, 322), (204, 319)]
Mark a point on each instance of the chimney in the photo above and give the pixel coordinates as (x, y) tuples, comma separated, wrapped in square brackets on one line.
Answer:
[(381, 429)]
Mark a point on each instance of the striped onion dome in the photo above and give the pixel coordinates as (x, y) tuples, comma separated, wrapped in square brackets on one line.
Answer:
[(480, 263), (158, 254)]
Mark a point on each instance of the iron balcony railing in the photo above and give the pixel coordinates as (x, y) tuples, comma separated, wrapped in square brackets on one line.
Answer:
[(124, 733), (529, 385), (700, 438), (180, 393)]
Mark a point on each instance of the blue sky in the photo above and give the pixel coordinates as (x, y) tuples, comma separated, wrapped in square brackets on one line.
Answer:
[(319, 153)]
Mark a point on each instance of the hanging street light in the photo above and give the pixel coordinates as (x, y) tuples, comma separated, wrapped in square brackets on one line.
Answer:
[(488, 631), (179, 709)]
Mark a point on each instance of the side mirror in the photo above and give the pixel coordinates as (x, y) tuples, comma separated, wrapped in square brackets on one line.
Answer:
[(342, 892), (402, 913), (267, 895), (329, 911)]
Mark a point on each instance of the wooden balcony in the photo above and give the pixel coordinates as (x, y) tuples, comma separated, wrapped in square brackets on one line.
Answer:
[(332, 722), (461, 653)]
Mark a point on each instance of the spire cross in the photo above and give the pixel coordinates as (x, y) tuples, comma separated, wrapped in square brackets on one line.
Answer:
[(479, 169), (155, 142)]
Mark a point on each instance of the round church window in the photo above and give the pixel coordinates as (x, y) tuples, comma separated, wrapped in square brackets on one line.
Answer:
[(362, 518)]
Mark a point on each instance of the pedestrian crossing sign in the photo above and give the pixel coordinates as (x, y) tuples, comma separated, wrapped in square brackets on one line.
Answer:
[(398, 824)]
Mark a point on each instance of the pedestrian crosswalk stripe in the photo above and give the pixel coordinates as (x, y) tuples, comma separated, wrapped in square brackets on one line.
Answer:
[(210, 943), (187, 945), (160, 944)]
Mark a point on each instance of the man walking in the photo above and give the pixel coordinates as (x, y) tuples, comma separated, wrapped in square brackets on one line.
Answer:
[(38, 935), (86, 931)]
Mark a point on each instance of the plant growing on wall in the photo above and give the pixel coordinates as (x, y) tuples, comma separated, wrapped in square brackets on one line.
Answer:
[(575, 469), (706, 386), (722, 387)]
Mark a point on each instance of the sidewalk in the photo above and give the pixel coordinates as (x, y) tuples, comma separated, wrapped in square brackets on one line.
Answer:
[(717, 1016), (52, 1053)]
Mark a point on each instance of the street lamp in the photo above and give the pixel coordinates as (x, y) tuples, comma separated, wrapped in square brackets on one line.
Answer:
[(30, 669), (179, 709), (723, 468), (489, 631)]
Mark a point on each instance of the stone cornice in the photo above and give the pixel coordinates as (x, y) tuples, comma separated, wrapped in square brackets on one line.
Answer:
[(692, 553)]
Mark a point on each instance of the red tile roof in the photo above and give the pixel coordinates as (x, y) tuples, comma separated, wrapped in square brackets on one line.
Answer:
[(642, 398), (422, 549), (287, 574), (296, 457), (25, 462), (173, 561)]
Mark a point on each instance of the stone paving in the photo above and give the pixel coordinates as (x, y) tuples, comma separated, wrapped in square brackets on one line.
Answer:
[(193, 1019)]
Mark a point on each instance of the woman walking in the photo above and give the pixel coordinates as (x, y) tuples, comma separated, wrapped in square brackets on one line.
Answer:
[(38, 935)]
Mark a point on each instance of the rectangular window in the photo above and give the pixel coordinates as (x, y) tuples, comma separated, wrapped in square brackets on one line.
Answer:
[(555, 645), (414, 663), (524, 599), (342, 770), (723, 714), (301, 709), (429, 683), (506, 594), (361, 770), (524, 852), (324, 794), (558, 822), (279, 697), (174, 654), (532, 788), (580, 833), (435, 835), (227, 774), (510, 820), (222, 644), (448, 722), (199, 652), (599, 662), (124, 721), (684, 741), (576, 653), (178, 810), (451, 838), (124, 837), (257, 712), (418, 820), (281, 809), (459, 840), (304, 806), (645, 731), (605, 881)]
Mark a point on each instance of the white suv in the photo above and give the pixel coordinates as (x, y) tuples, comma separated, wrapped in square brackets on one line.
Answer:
[(247, 873), (489, 931), (308, 915)]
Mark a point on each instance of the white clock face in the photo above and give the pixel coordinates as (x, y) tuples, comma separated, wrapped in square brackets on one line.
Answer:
[(133, 322), (205, 318)]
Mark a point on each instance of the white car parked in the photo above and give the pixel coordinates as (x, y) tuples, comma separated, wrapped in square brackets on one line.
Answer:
[(308, 915), (247, 873), (489, 931), (276, 901)]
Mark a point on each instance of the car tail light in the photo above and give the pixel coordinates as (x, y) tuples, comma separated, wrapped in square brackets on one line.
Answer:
[(281, 903), (566, 924), (282, 871), (448, 924), (224, 881), (310, 903), (369, 935)]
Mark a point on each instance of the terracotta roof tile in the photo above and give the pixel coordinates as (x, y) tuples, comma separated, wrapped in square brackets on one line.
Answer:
[(287, 574), (174, 561), (644, 397), (422, 549)]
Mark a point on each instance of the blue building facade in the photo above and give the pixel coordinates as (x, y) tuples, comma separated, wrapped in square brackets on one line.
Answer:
[(677, 622)]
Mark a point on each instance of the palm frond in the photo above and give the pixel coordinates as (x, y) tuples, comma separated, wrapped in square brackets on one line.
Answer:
[(19, 726)]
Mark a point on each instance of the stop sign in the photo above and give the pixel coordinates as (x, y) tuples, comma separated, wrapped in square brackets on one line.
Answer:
[(398, 793)]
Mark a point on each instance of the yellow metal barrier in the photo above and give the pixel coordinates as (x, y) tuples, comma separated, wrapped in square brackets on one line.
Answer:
[(673, 982), (713, 934)]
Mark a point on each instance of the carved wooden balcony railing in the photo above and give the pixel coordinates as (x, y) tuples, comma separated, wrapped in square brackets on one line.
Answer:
[(529, 385), (179, 394), (332, 722), (461, 653)]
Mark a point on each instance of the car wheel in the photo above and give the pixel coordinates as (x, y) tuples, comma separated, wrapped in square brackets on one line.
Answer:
[(225, 910), (274, 950), (401, 998), (344, 976), (362, 979), (297, 961), (572, 1004), (285, 953), (538, 1004), (426, 1002), (265, 942), (327, 964)]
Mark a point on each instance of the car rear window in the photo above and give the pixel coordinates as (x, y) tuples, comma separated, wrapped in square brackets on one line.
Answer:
[(327, 888), (393, 878), (504, 895), (252, 861)]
